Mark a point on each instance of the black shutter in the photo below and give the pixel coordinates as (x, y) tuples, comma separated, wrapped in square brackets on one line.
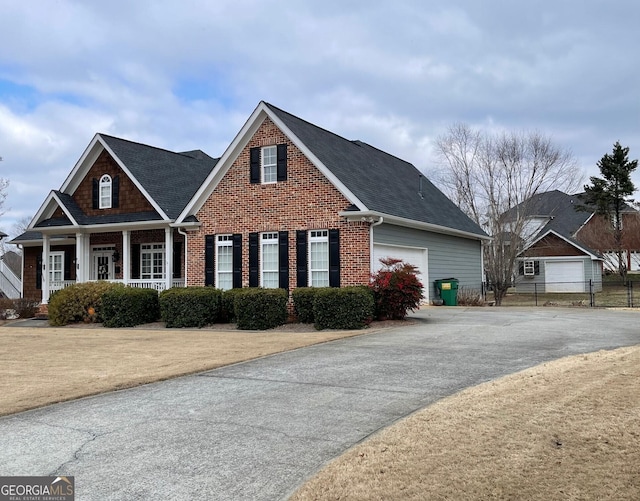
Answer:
[(334, 258), (115, 192), (237, 261), (95, 193), (283, 260), (135, 261), (282, 162), (254, 160), (254, 280), (521, 268), (209, 250), (177, 259), (536, 267), (67, 265), (39, 272), (302, 273)]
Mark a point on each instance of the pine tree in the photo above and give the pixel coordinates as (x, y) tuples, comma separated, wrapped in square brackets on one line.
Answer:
[(609, 193)]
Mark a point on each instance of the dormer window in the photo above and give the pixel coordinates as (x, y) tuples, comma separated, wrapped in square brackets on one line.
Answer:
[(105, 192)]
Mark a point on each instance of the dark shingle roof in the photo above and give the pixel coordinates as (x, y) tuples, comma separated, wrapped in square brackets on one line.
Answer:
[(171, 179), (382, 182)]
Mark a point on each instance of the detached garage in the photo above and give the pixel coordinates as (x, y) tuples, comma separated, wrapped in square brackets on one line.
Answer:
[(554, 263)]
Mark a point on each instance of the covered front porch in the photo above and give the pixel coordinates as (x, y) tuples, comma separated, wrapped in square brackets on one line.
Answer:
[(143, 258)]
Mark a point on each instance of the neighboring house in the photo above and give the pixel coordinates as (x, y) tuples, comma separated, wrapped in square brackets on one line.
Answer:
[(566, 245), (288, 205)]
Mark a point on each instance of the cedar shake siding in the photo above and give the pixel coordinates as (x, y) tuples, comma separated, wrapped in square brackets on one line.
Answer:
[(303, 200), (552, 245)]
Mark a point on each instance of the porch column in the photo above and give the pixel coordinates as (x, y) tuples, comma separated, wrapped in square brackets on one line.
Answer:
[(168, 257), (80, 276), (85, 264), (126, 256), (45, 268)]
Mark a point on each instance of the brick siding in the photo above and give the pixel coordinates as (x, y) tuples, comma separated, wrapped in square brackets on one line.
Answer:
[(305, 201)]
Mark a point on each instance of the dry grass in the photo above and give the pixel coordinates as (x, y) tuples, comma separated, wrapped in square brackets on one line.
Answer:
[(565, 430), (41, 366)]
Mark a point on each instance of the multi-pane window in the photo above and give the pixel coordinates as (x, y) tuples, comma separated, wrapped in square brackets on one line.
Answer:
[(269, 260), (105, 192), (152, 261), (529, 268), (269, 164), (224, 262), (56, 267), (319, 258)]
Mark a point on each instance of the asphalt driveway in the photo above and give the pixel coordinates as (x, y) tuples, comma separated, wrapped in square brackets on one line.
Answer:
[(256, 430)]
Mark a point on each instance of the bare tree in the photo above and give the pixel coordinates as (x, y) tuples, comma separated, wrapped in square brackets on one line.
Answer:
[(4, 184), (492, 177)]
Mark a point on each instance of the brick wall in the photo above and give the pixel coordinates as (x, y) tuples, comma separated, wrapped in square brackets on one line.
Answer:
[(305, 201), (131, 198)]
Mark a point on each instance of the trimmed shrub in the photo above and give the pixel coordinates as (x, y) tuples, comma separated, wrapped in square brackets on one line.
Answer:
[(303, 298), (396, 289), (343, 308), (130, 306), (190, 306), (227, 309), (5, 304), (79, 303), (260, 309)]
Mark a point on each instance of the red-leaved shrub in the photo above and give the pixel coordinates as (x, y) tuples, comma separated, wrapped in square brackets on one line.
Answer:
[(396, 289)]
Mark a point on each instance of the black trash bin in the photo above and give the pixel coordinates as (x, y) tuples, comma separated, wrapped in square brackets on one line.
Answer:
[(448, 290)]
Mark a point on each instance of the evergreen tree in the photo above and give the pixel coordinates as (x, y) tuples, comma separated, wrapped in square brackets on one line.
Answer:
[(609, 193)]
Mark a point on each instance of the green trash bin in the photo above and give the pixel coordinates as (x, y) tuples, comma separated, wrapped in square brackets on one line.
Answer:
[(448, 290)]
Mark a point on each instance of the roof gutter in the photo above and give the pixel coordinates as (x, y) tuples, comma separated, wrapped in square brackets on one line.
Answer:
[(411, 223)]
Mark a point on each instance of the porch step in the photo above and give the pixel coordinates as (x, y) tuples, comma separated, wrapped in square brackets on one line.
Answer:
[(43, 312)]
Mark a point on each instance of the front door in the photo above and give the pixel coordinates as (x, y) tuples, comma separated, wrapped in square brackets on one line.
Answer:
[(102, 267)]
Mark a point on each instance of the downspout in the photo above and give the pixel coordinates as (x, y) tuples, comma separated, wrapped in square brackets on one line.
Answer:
[(377, 223), (186, 255)]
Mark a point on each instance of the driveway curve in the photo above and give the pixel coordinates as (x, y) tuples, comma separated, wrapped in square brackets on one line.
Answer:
[(257, 430)]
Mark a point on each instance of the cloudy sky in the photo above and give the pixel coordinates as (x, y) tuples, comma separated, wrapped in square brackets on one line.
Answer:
[(186, 74)]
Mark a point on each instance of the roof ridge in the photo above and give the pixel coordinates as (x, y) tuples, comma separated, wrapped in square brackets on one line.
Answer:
[(138, 143)]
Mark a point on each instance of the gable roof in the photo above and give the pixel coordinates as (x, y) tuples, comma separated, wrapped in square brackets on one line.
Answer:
[(170, 179), (373, 181), (594, 255)]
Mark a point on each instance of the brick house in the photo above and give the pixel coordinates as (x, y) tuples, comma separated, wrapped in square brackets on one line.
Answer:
[(288, 204), (568, 246)]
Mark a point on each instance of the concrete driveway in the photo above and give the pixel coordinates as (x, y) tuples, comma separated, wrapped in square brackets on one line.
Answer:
[(257, 430)]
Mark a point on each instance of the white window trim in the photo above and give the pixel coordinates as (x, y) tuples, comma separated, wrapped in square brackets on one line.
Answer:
[(53, 270), (223, 241), (263, 166), (529, 268), (318, 236), (269, 238), (104, 201), (152, 249)]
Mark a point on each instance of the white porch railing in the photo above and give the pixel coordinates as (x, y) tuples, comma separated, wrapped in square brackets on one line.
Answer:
[(10, 284), (158, 285), (57, 285)]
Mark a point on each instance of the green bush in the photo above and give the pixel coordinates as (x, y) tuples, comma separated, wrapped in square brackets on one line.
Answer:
[(227, 311), (303, 298), (259, 309), (190, 306), (130, 306), (78, 303), (343, 308)]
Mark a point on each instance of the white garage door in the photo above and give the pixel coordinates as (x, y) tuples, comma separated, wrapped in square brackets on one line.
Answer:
[(416, 256), (564, 276)]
